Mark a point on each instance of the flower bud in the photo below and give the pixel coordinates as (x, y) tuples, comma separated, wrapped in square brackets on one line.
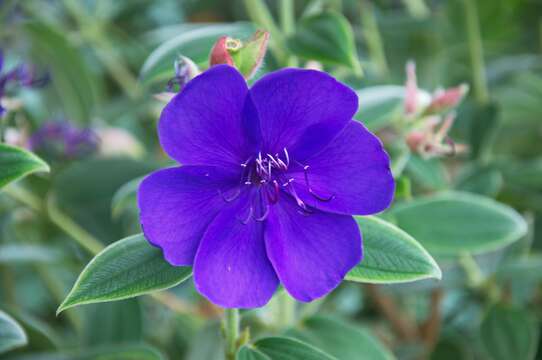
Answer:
[(411, 89), (432, 140), (246, 56), (185, 70), (445, 100)]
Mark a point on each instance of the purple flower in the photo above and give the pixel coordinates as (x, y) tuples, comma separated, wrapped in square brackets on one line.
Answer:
[(270, 179), (22, 75), (60, 140)]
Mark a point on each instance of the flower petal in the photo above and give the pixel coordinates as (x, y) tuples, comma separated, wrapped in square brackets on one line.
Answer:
[(203, 124), (231, 267), (353, 169), (291, 102), (176, 206), (311, 253)]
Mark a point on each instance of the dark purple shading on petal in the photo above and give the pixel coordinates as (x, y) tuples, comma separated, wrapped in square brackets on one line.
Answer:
[(353, 169), (311, 253), (203, 124), (291, 102), (177, 204), (231, 267)]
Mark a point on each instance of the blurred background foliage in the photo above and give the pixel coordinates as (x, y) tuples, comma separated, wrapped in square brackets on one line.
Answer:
[(107, 60)]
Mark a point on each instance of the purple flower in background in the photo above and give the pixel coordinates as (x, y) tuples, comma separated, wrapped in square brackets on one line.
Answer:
[(271, 177), (22, 75), (60, 140)]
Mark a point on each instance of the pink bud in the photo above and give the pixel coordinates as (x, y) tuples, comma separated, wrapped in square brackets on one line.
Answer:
[(220, 53), (411, 89), (447, 99), (415, 140), (246, 56)]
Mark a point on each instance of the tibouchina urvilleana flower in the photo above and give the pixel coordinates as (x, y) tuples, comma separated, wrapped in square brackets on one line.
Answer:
[(270, 179)]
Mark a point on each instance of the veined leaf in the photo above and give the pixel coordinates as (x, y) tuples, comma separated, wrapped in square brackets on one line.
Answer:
[(127, 268), (326, 37), (390, 255), (16, 163), (340, 339), (282, 348), (452, 223), (509, 333)]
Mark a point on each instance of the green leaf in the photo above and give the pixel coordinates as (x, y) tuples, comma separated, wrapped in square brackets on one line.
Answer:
[(326, 37), (116, 352), (71, 80), (390, 255), (127, 268), (381, 105), (480, 180), (125, 198), (12, 334), (428, 173), (340, 339), (195, 42), (94, 182), (16, 163), (453, 223), (484, 123), (283, 348), (509, 333), (249, 353)]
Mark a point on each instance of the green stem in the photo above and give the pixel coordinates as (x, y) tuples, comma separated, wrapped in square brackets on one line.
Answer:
[(481, 92), (287, 24), (372, 36), (286, 310), (231, 331), (286, 16), (70, 227), (92, 31), (86, 240), (472, 270), (417, 8), (259, 13), (24, 196)]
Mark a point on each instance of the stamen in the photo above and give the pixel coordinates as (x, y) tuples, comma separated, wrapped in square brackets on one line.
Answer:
[(249, 216), (287, 157), (237, 193), (314, 194), (265, 214)]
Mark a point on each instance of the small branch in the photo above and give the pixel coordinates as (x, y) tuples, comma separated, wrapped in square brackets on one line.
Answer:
[(430, 329), (231, 331), (405, 327), (372, 36), (476, 50)]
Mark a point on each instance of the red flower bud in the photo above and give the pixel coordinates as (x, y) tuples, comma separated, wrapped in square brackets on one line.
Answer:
[(245, 56)]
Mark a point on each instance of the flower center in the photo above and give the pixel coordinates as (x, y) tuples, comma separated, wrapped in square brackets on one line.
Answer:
[(268, 173)]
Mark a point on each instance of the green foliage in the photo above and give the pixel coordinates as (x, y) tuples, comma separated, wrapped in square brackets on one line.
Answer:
[(94, 182), (391, 255), (340, 339), (73, 84), (326, 37), (12, 334), (459, 223), (194, 42), (509, 333), (127, 268), (16, 163), (478, 212), (281, 348)]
